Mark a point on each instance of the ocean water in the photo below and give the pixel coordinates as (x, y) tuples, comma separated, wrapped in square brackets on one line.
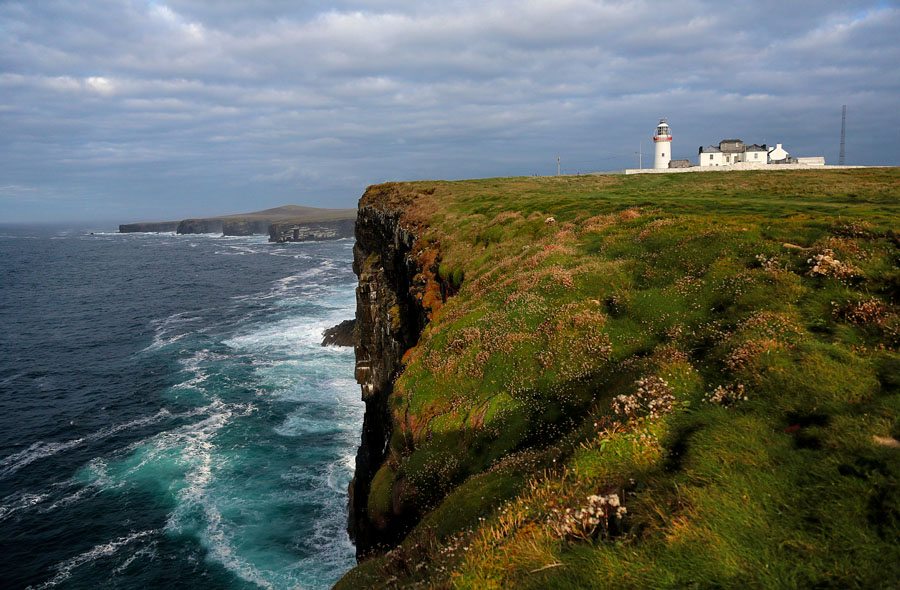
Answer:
[(168, 418)]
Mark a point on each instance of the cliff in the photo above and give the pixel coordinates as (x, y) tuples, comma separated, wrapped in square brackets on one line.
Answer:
[(649, 381), (392, 307), (149, 227), (298, 230), (201, 226), (313, 223)]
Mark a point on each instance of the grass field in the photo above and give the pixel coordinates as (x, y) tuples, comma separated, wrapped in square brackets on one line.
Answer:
[(650, 381)]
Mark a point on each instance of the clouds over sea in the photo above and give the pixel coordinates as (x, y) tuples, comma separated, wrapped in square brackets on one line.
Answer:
[(128, 107)]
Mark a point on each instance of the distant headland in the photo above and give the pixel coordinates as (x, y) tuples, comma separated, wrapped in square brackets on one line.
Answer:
[(288, 223)]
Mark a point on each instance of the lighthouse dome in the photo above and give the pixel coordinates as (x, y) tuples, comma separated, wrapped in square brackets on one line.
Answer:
[(663, 128)]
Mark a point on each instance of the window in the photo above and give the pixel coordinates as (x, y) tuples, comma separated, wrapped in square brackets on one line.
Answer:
[(710, 156), (664, 154)]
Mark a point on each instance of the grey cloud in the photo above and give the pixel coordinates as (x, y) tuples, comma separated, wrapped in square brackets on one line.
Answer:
[(189, 107)]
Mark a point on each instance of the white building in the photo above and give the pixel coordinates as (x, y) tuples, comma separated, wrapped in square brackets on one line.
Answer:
[(729, 154), (733, 151), (778, 154), (662, 142)]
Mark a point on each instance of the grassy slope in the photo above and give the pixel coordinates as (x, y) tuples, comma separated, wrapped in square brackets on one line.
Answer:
[(504, 415)]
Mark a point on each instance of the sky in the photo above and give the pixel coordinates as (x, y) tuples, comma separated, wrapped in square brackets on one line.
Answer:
[(152, 110)]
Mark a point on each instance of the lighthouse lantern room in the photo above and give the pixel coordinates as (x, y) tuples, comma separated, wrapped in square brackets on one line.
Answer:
[(662, 142)]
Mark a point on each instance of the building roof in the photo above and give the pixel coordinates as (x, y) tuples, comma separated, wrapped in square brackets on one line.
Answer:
[(723, 147), (732, 146)]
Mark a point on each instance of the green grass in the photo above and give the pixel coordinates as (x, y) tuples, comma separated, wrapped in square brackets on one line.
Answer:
[(503, 412)]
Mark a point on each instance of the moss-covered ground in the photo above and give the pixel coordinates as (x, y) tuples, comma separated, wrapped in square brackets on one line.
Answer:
[(717, 351)]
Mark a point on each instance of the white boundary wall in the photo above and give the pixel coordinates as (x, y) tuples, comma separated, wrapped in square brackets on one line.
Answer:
[(740, 166)]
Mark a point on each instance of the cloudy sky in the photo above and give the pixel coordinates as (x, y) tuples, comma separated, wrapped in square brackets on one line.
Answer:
[(136, 110)]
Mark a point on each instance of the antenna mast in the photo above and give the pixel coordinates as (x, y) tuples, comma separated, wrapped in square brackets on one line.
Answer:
[(843, 133)]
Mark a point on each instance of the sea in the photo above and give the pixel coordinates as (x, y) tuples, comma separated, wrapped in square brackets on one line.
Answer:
[(168, 417)]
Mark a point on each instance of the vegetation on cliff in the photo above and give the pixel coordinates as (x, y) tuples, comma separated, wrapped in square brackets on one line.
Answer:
[(647, 381)]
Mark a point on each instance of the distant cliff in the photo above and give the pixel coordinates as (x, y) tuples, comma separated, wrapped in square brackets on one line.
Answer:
[(149, 227), (201, 226), (298, 231), (313, 224)]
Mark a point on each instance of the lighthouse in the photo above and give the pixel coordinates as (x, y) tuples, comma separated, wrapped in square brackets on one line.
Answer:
[(662, 141)]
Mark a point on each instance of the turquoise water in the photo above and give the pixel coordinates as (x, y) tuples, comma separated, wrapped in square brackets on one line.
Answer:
[(167, 416)]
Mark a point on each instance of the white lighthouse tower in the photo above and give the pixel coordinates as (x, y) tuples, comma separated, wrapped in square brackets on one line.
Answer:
[(662, 141)]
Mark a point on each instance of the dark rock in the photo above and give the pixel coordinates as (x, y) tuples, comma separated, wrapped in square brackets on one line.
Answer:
[(341, 335)]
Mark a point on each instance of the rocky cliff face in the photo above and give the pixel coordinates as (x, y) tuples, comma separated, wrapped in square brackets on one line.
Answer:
[(244, 227), (200, 226), (292, 231), (392, 308), (154, 226)]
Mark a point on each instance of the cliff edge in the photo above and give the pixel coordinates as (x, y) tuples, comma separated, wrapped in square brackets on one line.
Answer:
[(643, 381)]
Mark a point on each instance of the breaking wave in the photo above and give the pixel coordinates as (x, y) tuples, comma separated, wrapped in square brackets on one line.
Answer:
[(237, 464)]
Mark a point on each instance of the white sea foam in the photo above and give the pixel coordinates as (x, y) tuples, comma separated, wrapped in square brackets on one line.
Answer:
[(87, 491), (194, 365), (221, 549), (132, 234), (18, 237), (297, 424), (64, 569), (193, 435), (25, 501), (19, 501), (293, 334), (148, 551), (40, 449), (99, 481), (306, 286), (160, 341), (174, 327), (238, 251), (332, 547), (199, 451)]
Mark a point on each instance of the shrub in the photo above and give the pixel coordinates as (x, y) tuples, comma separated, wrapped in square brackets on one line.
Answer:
[(825, 264), (652, 399), (727, 395), (599, 516)]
